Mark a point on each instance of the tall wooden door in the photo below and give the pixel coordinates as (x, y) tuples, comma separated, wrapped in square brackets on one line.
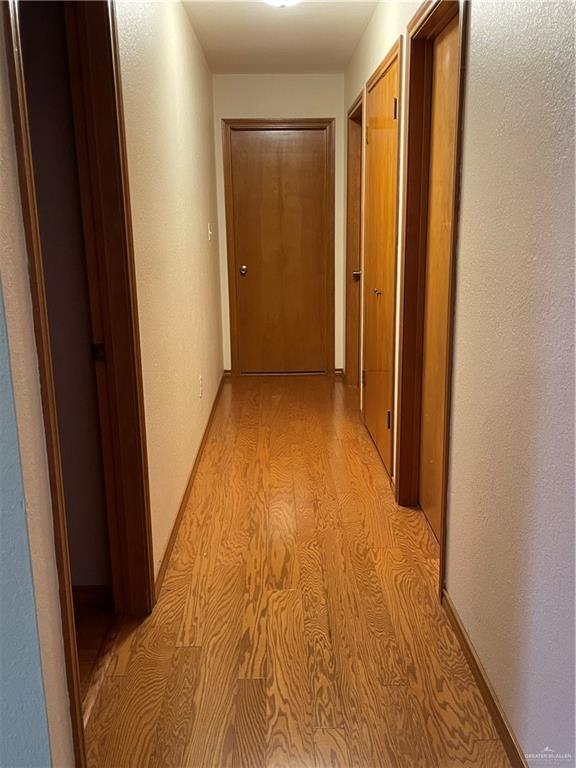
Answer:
[(280, 230), (443, 126), (380, 208)]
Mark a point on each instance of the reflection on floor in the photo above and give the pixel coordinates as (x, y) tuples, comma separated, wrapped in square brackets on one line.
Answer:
[(298, 624)]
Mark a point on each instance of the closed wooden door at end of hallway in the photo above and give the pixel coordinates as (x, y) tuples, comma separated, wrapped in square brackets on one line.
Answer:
[(280, 199)]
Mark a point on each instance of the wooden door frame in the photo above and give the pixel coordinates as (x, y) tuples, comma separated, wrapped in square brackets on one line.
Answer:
[(103, 185), (105, 196), (300, 124), (394, 54), (430, 19), (357, 109)]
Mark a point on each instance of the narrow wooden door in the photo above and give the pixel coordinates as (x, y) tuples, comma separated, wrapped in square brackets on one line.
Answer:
[(380, 208), (281, 218), (443, 125)]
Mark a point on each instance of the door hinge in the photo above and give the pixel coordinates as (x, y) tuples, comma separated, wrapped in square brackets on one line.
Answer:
[(388, 419), (366, 134), (395, 108), (98, 353)]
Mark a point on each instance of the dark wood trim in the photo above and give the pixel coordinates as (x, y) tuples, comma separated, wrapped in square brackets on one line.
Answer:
[(431, 18), (311, 124), (416, 143), (95, 288), (103, 175), (353, 239), (423, 12), (230, 250), (187, 491), (282, 124), (399, 46), (463, 10), (331, 245), (427, 23), (42, 334), (501, 723), (357, 106)]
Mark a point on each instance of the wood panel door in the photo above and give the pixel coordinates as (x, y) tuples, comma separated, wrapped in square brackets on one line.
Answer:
[(443, 128), (380, 211), (280, 238)]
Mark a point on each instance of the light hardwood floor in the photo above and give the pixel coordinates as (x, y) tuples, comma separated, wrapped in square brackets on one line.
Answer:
[(298, 624)]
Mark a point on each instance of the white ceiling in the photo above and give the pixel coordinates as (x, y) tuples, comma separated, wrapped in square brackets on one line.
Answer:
[(253, 37)]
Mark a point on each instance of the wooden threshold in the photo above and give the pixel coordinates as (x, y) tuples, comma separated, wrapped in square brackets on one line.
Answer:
[(501, 723), (187, 491)]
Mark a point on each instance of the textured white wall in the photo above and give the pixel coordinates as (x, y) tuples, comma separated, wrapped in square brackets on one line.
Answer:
[(31, 441), (167, 90), (511, 497), (283, 96)]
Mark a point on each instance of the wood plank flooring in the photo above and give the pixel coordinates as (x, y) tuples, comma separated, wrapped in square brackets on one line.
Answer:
[(298, 625)]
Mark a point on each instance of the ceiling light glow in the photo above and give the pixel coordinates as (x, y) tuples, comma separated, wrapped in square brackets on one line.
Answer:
[(282, 3)]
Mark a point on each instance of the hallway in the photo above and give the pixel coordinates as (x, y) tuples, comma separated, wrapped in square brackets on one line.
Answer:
[(298, 623)]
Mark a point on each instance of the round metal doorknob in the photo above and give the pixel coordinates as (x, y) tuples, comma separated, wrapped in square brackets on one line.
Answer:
[(243, 269), (377, 292)]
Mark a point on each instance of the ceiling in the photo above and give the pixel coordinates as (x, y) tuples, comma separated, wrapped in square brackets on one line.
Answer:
[(253, 37)]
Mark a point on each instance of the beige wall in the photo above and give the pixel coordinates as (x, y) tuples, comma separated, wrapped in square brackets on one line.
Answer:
[(511, 497), (283, 96), (386, 25), (167, 90), (26, 385)]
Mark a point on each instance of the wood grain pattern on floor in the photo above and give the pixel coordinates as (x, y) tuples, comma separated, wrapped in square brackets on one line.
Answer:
[(298, 625)]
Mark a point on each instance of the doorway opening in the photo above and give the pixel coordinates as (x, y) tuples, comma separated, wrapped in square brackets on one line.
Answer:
[(434, 115), (51, 126), (354, 241)]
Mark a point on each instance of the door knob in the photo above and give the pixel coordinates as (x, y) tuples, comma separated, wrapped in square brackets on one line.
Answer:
[(377, 292), (243, 269)]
